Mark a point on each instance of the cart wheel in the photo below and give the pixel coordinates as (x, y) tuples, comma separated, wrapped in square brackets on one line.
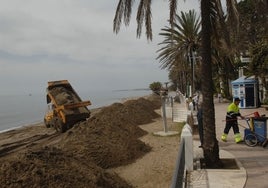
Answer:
[(251, 140)]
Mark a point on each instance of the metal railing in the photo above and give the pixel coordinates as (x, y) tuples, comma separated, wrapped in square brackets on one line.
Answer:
[(178, 179)]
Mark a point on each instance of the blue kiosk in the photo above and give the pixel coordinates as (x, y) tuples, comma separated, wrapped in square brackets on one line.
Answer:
[(246, 89)]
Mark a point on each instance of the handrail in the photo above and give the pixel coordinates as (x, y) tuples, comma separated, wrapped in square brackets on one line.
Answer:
[(178, 179)]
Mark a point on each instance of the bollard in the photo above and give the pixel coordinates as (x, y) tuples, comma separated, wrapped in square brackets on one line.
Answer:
[(164, 113), (189, 153)]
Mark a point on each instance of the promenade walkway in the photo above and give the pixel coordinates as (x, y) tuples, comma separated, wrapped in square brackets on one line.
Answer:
[(252, 161)]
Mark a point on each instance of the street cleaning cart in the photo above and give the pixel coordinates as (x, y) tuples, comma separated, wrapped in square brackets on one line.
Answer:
[(256, 133)]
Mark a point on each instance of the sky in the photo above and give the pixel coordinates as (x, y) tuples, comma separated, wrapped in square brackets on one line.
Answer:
[(46, 40)]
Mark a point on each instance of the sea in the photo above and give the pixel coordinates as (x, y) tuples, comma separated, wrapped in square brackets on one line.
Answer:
[(28, 109)]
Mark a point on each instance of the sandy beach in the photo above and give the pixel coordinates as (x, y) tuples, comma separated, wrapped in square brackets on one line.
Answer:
[(114, 148)]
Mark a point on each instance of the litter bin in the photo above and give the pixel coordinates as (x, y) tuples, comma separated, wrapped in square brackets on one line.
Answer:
[(260, 128)]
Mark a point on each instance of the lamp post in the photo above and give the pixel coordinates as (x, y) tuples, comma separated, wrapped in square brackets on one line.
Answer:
[(192, 61), (164, 94), (164, 97)]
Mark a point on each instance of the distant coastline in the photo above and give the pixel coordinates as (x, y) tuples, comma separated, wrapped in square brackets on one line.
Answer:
[(137, 89)]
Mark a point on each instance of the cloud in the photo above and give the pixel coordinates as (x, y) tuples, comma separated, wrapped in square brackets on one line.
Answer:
[(43, 40)]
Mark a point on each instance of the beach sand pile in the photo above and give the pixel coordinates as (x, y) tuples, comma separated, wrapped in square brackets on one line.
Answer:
[(81, 157)]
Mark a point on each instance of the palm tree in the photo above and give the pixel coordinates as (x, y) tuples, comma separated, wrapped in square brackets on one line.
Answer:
[(210, 145), (259, 64), (180, 75), (208, 14), (181, 42)]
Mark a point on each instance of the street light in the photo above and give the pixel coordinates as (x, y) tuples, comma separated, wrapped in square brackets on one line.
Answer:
[(192, 61), (163, 99), (193, 58)]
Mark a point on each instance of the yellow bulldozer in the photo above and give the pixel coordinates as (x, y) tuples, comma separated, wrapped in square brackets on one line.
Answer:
[(65, 107)]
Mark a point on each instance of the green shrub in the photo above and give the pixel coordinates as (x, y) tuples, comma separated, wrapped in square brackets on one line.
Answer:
[(156, 87)]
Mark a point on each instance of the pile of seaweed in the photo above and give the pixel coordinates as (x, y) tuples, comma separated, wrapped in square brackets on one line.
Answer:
[(83, 155)]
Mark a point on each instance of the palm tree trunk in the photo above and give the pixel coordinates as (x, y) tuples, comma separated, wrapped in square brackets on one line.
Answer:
[(210, 146)]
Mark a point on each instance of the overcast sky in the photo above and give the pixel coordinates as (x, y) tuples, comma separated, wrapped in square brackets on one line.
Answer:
[(43, 40)]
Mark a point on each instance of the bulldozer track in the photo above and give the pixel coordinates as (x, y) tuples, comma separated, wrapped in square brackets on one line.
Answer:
[(26, 143)]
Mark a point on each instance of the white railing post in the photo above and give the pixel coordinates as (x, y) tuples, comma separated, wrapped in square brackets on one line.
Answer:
[(189, 153)]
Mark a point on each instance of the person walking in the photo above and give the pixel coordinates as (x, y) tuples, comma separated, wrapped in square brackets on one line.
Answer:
[(219, 97), (199, 102), (231, 121)]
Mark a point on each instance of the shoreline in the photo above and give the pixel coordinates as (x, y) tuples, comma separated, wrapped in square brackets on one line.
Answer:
[(93, 111), (21, 126), (17, 112)]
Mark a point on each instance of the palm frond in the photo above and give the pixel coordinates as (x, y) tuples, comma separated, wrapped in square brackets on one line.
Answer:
[(173, 9), (140, 18), (179, 40), (148, 22), (124, 8), (233, 16), (144, 14)]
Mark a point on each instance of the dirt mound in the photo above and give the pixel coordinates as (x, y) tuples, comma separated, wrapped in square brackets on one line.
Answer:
[(81, 157), (110, 138), (50, 167)]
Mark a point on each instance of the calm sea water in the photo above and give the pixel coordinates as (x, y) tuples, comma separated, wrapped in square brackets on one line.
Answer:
[(20, 110)]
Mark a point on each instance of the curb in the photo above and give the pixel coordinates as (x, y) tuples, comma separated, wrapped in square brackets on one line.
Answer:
[(220, 178)]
